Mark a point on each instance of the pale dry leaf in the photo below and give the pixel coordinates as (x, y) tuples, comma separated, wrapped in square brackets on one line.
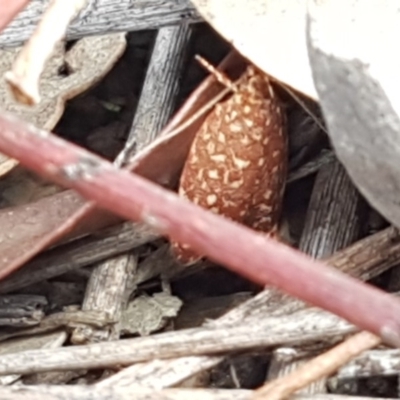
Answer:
[(356, 74), (67, 74), (270, 33)]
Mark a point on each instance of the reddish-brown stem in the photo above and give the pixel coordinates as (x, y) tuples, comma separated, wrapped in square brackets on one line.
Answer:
[(239, 248)]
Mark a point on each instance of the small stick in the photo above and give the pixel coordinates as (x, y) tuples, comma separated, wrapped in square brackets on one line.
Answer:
[(28, 66), (302, 104), (220, 76), (318, 368)]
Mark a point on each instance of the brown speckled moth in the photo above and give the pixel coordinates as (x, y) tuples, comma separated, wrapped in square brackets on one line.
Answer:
[(237, 163)]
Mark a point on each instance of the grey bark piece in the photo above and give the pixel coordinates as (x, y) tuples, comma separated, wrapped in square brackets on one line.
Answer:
[(65, 319), (335, 214), (107, 290), (160, 88), (372, 363), (80, 253), (104, 16), (21, 310)]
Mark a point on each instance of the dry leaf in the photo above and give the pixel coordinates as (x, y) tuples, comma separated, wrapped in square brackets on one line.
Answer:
[(67, 74), (270, 33), (356, 75)]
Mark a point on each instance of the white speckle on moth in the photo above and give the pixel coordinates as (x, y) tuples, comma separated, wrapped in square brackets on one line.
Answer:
[(211, 147), (245, 140), (238, 99), (211, 199), (257, 137), (271, 92), (221, 137), (236, 184), (248, 122), (247, 109), (239, 163), (264, 207), (213, 174), (218, 157), (234, 127), (268, 194), (226, 177), (275, 153), (265, 219), (261, 162)]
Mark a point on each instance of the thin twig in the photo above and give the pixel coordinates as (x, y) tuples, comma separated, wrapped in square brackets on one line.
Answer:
[(304, 327), (304, 107), (222, 240), (318, 368)]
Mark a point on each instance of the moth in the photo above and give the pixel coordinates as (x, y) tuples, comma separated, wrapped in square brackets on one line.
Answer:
[(237, 164)]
